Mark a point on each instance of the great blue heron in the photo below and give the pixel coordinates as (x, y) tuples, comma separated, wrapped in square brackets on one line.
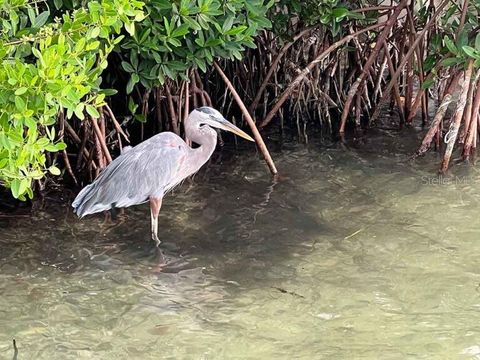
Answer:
[(149, 170)]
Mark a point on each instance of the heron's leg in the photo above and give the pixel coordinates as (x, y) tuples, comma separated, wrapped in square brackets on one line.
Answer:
[(155, 205), (113, 212)]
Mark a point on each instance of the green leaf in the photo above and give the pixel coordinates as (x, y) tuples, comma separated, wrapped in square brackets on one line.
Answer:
[(201, 64), (167, 26), (169, 72), (193, 24), (30, 123), (61, 146), (354, 15), (339, 12), (132, 107), (23, 186), (161, 77), (144, 35), (127, 67), (130, 27), (130, 85), (477, 42), (141, 118), (41, 19), (174, 42), (20, 103), (92, 46), (15, 188), (79, 111), (450, 45), (51, 148), (36, 174), (163, 4), (181, 30), (200, 42), (462, 39), (236, 30), (325, 19), (108, 92), (134, 59), (31, 14), (427, 83), (177, 65), (118, 39), (30, 192), (213, 42), (237, 54), (95, 32), (21, 91), (227, 24), (92, 111), (451, 61), (471, 52), (80, 45), (335, 28), (54, 170), (42, 142)]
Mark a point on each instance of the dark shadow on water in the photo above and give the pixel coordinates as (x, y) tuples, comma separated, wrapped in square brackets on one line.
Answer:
[(233, 222)]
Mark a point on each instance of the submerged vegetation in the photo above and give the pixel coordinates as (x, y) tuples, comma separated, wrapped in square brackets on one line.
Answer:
[(82, 78)]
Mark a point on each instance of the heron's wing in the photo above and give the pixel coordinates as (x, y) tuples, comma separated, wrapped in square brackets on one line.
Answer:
[(148, 169)]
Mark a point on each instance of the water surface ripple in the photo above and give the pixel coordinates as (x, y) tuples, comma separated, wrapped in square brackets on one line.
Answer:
[(353, 254)]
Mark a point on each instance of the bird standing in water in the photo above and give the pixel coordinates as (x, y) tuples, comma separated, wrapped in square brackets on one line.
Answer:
[(149, 170)]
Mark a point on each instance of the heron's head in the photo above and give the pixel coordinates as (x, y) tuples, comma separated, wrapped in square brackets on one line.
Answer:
[(211, 117)]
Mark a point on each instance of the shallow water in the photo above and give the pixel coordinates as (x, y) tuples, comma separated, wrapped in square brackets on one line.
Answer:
[(354, 253)]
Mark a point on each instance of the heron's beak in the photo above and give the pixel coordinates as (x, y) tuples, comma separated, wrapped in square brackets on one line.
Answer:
[(228, 126)]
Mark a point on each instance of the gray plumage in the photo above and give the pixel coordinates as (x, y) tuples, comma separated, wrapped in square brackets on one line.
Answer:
[(148, 169), (152, 168)]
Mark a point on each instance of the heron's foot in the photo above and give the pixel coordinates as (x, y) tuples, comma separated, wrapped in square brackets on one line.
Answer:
[(108, 219), (156, 239)]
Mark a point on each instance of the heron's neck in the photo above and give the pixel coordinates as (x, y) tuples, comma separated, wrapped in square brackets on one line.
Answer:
[(207, 139)]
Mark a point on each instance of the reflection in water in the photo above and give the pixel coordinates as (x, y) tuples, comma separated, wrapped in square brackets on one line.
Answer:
[(350, 254)]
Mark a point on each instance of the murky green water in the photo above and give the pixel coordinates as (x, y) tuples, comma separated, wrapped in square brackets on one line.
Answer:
[(354, 254)]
